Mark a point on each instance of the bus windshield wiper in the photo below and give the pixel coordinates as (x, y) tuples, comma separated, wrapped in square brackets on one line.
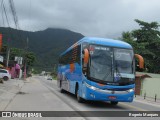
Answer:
[(117, 71), (107, 74), (98, 81)]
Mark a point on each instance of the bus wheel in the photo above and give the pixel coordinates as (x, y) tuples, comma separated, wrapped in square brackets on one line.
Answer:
[(114, 102), (79, 99), (61, 89)]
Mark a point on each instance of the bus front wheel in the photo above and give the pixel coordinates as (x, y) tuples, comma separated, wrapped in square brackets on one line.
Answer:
[(114, 102)]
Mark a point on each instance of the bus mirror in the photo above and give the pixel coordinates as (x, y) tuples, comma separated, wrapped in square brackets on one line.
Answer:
[(85, 61), (141, 61), (86, 56), (72, 67)]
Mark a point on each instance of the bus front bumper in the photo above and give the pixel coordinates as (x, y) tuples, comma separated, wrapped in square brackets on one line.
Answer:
[(93, 93)]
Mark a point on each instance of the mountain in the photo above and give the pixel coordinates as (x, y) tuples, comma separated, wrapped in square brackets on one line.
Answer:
[(46, 44)]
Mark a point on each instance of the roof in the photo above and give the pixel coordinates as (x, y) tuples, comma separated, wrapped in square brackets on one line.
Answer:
[(106, 41), (142, 76), (102, 41), (149, 74)]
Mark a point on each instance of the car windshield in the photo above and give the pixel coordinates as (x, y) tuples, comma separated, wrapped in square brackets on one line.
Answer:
[(101, 59), (3, 71)]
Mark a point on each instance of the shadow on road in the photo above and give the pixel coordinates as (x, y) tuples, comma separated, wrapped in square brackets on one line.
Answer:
[(96, 104)]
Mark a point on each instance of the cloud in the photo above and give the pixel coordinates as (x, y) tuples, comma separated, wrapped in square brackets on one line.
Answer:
[(103, 18)]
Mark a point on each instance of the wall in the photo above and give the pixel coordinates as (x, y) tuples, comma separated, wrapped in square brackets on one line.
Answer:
[(138, 85), (150, 86)]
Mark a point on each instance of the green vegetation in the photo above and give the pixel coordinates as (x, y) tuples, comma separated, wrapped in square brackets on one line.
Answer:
[(30, 56), (54, 77), (146, 42), (47, 45)]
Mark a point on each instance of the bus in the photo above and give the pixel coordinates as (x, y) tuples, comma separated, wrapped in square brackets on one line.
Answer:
[(98, 69)]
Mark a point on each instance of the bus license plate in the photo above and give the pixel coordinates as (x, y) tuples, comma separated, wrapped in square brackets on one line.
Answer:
[(112, 97)]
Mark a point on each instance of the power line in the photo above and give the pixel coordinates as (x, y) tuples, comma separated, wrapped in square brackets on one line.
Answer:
[(2, 13), (13, 10), (4, 10), (5, 13), (16, 22)]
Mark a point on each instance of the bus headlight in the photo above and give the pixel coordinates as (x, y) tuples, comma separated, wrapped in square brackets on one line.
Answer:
[(91, 87), (130, 90)]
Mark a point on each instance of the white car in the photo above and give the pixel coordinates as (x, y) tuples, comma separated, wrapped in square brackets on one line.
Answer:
[(5, 74), (49, 78)]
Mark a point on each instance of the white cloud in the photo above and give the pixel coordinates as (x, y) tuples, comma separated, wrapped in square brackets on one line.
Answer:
[(102, 18)]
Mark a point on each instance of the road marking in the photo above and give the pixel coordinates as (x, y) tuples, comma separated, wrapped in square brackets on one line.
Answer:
[(137, 108)]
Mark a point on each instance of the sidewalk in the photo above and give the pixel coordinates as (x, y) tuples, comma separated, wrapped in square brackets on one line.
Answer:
[(8, 91), (147, 100), (35, 97)]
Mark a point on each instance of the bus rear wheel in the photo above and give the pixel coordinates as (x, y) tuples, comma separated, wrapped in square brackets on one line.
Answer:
[(114, 102), (79, 99), (61, 89)]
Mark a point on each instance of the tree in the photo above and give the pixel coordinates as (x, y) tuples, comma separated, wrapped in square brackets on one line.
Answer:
[(30, 58), (146, 42), (20, 52)]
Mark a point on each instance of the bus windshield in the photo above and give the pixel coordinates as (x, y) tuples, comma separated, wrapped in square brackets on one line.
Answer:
[(107, 64), (101, 59), (123, 62)]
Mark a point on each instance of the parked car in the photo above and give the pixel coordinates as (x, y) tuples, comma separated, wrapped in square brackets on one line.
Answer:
[(49, 78), (5, 74)]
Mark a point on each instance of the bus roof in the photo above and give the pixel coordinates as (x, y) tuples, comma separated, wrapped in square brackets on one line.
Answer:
[(101, 41)]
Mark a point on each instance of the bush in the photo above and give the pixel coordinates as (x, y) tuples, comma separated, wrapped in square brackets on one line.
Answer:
[(1, 80)]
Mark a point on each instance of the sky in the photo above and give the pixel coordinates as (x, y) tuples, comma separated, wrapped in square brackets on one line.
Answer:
[(95, 18)]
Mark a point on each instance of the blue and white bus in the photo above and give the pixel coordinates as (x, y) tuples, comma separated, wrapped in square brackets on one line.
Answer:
[(98, 69)]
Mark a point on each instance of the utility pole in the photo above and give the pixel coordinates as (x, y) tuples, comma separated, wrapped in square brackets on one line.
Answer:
[(7, 58), (8, 53), (25, 60)]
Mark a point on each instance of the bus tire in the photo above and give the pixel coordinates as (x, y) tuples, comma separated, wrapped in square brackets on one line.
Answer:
[(61, 89), (79, 99), (114, 102)]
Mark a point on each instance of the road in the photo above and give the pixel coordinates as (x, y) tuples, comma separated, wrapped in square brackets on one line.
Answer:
[(44, 95)]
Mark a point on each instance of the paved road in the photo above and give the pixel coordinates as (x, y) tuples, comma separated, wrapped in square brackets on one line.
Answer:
[(43, 95), (98, 106)]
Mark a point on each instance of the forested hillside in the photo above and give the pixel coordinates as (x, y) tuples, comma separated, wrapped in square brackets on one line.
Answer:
[(46, 44)]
